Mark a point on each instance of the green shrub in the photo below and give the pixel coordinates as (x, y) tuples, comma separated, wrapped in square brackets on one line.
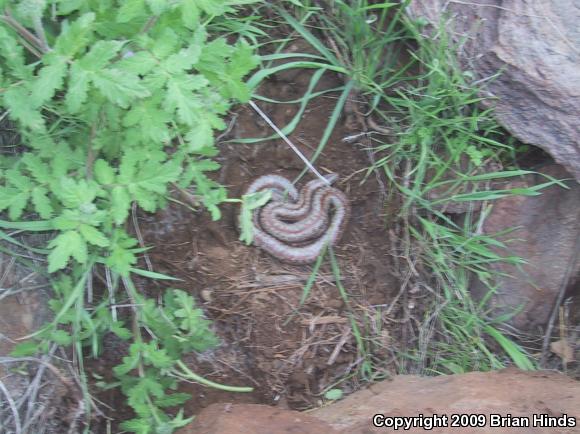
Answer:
[(114, 102)]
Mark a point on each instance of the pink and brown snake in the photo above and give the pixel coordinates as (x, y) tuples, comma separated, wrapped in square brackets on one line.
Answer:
[(296, 226)]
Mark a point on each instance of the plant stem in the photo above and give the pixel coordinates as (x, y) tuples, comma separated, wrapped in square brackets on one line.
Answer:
[(190, 375)]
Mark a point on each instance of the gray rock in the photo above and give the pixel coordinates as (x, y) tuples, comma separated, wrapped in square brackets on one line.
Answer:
[(535, 46)]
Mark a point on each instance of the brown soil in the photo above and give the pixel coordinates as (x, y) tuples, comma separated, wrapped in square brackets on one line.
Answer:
[(252, 295), (289, 353)]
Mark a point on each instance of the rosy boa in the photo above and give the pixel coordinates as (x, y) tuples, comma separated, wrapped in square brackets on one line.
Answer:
[(295, 226)]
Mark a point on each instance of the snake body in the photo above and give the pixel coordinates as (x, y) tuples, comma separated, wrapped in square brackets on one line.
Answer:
[(296, 225)]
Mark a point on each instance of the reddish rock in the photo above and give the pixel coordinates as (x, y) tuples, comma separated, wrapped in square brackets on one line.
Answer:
[(23, 312), (546, 235), (502, 392), (534, 44), (508, 392), (254, 419)]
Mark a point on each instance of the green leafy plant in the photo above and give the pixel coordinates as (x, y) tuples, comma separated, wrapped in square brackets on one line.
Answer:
[(178, 328), (333, 394), (249, 204), (115, 102)]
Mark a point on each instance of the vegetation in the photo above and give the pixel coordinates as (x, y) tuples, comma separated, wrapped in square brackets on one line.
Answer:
[(117, 102), (438, 141)]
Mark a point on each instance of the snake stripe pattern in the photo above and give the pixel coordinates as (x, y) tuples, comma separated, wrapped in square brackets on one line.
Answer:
[(296, 225)]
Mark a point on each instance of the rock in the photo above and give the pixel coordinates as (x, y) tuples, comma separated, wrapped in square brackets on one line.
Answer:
[(509, 391), (547, 237), (563, 349), (534, 45), (23, 312), (254, 419)]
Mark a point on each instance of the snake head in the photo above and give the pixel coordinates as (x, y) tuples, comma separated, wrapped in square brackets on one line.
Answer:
[(331, 178)]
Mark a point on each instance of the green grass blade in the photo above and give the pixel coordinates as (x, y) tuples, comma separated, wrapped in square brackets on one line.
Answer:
[(259, 76), (76, 293), (288, 129), (336, 113), (308, 36), (298, 100), (32, 226), (14, 241), (520, 359), (153, 274), (286, 56)]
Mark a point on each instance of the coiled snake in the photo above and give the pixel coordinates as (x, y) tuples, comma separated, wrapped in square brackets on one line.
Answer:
[(296, 226)]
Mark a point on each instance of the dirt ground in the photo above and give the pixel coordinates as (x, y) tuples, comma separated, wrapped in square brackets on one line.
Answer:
[(289, 353)]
